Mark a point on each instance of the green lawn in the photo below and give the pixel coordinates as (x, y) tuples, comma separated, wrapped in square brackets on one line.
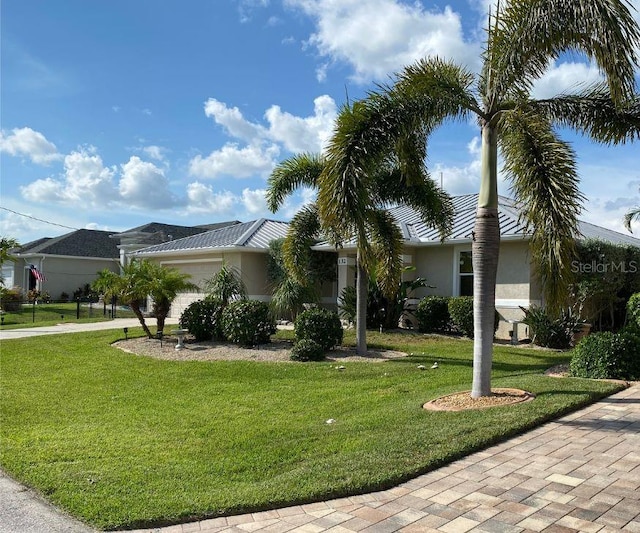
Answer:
[(120, 440), (48, 314)]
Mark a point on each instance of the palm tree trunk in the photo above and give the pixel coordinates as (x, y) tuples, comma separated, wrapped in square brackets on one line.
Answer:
[(361, 308), (485, 250), (135, 307)]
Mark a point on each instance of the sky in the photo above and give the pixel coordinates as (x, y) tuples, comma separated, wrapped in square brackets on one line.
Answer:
[(116, 113)]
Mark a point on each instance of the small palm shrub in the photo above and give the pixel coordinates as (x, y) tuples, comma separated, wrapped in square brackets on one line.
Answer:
[(607, 355), (307, 350), (247, 322), (548, 331), (633, 311), (320, 325), (433, 314), (203, 319)]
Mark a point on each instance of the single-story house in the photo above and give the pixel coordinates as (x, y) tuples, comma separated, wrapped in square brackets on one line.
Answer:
[(243, 246), (62, 264), (447, 265), (67, 263)]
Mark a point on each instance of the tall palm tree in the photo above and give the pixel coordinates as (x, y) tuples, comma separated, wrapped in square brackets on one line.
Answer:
[(523, 37), (378, 239)]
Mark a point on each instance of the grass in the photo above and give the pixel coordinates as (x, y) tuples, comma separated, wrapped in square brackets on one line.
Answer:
[(49, 314), (122, 441)]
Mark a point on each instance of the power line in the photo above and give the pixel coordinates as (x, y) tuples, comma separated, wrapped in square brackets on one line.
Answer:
[(38, 219)]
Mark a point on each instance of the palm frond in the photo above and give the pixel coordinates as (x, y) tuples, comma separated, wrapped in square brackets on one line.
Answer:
[(593, 113), (544, 180), (304, 229), (529, 34), (632, 215), (386, 243), (290, 174)]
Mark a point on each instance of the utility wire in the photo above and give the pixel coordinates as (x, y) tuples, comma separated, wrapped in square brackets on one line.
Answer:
[(38, 219)]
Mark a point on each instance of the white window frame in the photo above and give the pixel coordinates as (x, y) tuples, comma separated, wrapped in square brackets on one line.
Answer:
[(457, 251)]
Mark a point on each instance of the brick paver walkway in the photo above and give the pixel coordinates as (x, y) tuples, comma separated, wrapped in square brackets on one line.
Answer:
[(580, 473)]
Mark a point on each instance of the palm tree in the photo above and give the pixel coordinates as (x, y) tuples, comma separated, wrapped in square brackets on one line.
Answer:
[(523, 37), (378, 239), (163, 285), (226, 285), (6, 245), (140, 279)]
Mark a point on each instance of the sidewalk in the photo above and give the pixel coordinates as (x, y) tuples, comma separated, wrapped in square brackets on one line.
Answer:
[(70, 327)]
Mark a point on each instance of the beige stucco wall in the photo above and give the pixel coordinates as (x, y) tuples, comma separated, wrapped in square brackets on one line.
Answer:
[(64, 274), (436, 264)]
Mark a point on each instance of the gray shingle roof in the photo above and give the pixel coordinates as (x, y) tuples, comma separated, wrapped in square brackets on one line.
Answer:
[(79, 243), (256, 235)]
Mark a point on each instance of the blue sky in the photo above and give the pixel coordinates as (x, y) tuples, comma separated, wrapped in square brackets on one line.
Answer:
[(121, 112)]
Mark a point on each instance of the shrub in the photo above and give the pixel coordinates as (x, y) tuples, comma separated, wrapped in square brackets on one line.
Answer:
[(203, 319), (11, 299), (461, 312), (320, 325), (307, 350), (633, 311), (549, 331), (433, 314), (607, 356), (247, 322)]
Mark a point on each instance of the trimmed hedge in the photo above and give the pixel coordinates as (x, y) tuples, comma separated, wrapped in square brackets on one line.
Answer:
[(607, 356), (307, 350), (203, 319), (320, 325), (248, 322), (432, 314)]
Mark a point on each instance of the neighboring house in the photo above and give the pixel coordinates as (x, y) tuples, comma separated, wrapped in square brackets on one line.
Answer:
[(447, 265), (244, 246), (63, 264)]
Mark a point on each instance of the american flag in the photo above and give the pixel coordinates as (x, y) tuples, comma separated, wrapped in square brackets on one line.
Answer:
[(37, 274)]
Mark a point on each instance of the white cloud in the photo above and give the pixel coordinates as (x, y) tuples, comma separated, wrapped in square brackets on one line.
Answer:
[(231, 119), (29, 143), (254, 201), (155, 152), (258, 156), (202, 199), (86, 182), (308, 134), (565, 77), (379, 37), (232, 160), (144, 185)]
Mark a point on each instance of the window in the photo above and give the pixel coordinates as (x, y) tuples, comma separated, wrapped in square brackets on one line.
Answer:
[(465, 274)]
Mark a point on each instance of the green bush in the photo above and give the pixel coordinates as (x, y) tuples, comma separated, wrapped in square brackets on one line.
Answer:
[(203, 319), (307, 350), (433, 314), (461, 313), (548, 331), (633, 311), (320, 325), (11, 299), (247, 322), (607, 356)]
